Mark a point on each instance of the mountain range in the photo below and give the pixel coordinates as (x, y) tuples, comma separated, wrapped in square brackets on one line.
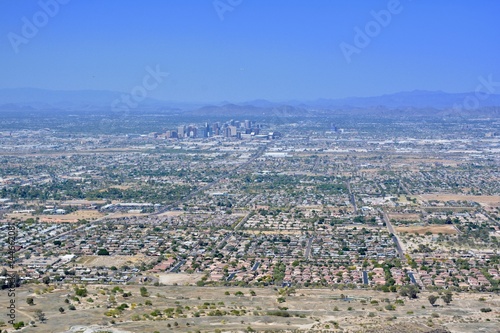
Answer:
[(31, 99)]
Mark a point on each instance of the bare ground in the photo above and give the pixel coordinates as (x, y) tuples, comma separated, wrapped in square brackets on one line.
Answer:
[(434, 229), (309, 310)]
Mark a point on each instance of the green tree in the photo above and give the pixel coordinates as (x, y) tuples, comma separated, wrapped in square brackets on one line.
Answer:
[(82, 292), (18, 325), (410, 291), (447, 297), (432, 299), (144, 292), (103, 252)]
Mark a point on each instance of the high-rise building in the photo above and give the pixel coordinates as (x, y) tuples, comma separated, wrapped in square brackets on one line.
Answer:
[(215, 129), (180, 131), (191, 131), (208, 131)]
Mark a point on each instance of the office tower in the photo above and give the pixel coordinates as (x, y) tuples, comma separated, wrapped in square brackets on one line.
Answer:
[(180, 131)]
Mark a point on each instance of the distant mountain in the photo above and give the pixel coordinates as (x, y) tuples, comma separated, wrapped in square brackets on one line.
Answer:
[(261, 103), (414, 99), (31, 99)]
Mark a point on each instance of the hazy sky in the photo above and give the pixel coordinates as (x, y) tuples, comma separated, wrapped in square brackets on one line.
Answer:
[(239, 50)]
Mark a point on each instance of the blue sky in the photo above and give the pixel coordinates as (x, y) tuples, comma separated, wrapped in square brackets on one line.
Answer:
[(277, 50)]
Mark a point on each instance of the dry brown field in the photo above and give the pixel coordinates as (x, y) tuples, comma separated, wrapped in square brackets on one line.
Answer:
[(435, 229), (180, 279), (90, 214), (108, 261), (404, 217), (489, 200)]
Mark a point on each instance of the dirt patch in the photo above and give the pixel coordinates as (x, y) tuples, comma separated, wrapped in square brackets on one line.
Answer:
[(119, 215), (179, 279), (86, 214), (108, 261), (404, 217), (74, 217), (488, 200), (434, 229)]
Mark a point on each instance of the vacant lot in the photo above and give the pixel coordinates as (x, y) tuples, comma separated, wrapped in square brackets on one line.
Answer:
[(434, 229), (108, 261), (486, 200), (90, 214), (179, 279), (74, 217), (404, 217)]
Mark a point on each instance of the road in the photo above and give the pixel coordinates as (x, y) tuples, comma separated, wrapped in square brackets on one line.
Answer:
[(242, 222), (352, 198), (177, 266), (255, 266), (485, 213), (394, 238), (223, 242), (403, 186), (308, 248), (365, 277), (412, 278), (316, 162)]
